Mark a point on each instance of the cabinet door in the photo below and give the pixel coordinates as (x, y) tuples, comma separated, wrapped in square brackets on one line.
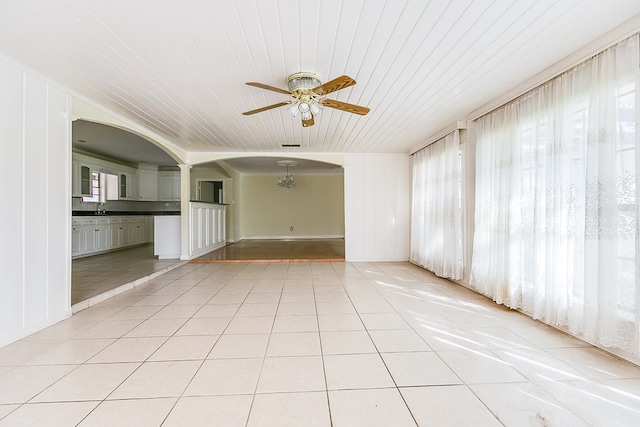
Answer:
[(137, 234), (169, 186), (147, 185), (89, 238), (165, 187), (114, 236), (102, 238), (123, 183), (85, 180), (76, 241), (132, 187), (75, 178), (126, 232), (176, 187)]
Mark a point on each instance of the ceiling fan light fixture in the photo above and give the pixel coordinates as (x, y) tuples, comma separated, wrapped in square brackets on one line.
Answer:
[(303, 81), (304, 106), (306, 115), (315, 108), (293, 110)]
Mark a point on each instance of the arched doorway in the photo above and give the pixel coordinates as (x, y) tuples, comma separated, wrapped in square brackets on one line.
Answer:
[(268, 221), (115, 178)]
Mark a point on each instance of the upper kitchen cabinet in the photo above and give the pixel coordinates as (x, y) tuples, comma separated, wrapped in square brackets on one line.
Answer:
[(169, 186), (118, 181), (147, 182), (127, 186), (80, 179)]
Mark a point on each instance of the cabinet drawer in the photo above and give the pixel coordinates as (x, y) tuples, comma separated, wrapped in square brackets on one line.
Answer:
[(103, 220), (114, 220)]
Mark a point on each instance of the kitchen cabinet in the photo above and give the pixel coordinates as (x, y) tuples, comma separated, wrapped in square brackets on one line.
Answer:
[(147, 185), (84, 179), (76, 238), (116, 233), (75, 178), (126, 223), (169, 186), (137, 231), (127, 186), (96, 234)]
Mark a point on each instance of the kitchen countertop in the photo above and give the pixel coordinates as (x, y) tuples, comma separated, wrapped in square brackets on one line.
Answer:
[(123, 213)]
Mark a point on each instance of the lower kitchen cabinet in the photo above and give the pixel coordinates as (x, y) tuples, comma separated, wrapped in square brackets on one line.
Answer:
[(138, 233), (95, 234), (76, 240)]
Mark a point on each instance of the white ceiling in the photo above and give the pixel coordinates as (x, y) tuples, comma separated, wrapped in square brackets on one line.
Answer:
[(179, 67)]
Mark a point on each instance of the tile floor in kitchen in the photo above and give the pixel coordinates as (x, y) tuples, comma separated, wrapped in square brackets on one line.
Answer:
[(309, 344), (93, 275)]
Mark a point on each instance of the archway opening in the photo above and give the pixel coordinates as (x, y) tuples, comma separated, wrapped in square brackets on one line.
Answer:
[(271, 221)]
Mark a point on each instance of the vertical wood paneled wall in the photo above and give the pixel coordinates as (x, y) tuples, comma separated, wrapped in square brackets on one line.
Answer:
[(377, 207), (35, 258)]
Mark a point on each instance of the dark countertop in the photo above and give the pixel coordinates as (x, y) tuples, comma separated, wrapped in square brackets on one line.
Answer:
[(123, 213), (209, 203)]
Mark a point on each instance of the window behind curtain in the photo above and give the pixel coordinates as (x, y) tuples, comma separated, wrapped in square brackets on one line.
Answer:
[(436, 224), (556, 225)]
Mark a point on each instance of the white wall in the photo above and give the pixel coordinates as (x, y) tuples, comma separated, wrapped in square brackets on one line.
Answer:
[(35, 259), (377, 207)]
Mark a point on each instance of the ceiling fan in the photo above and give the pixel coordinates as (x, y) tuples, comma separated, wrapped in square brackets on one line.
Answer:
[(308, 95)]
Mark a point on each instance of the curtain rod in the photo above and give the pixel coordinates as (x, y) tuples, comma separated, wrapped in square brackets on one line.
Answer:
[(459, 124)]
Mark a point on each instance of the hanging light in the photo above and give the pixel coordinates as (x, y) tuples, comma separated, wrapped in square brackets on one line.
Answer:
[(287, 180), (306, 101)]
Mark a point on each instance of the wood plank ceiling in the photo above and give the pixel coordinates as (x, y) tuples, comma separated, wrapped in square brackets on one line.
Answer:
[(178, 67)]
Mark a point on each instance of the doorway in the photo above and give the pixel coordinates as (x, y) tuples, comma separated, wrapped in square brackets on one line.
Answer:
[(210, 191)]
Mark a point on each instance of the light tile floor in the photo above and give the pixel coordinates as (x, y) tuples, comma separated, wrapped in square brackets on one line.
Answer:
[(309, 344)]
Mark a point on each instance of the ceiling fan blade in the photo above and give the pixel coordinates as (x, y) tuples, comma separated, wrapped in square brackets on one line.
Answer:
[(307, 123), (267, 87), (268, 107), (334, 85), (350, 108)]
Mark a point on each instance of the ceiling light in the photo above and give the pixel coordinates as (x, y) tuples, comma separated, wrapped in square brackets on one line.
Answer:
[(305, 100), (287, 180)]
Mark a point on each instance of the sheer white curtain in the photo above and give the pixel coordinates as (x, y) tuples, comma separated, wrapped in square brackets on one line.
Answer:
[(436, 222), (556, 220)]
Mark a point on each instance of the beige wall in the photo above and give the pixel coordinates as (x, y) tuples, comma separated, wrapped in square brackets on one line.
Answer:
[(314, 208), (210, 173)]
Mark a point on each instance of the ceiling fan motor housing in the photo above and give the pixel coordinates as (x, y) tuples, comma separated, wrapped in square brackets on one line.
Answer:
[(303, 81)]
